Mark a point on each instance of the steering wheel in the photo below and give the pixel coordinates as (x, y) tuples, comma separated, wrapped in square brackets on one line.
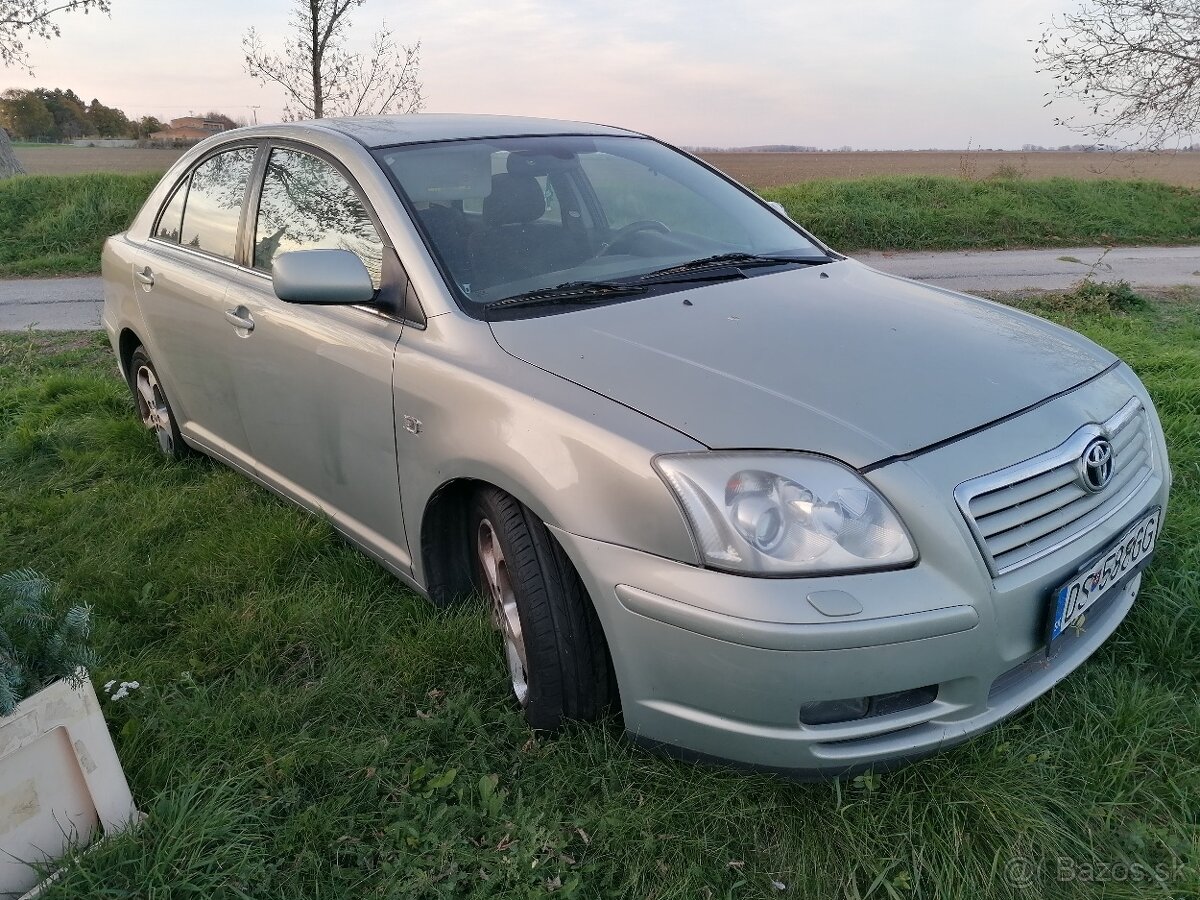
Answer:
[(627, 231)]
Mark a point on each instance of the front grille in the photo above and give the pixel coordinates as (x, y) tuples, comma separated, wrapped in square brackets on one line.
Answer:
[(1026, 511)]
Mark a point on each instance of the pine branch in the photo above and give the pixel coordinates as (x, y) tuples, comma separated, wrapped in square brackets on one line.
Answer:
[(39, 644)]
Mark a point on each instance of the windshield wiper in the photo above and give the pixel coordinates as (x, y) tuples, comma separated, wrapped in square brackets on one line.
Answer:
[(570, 292), (729, 260)]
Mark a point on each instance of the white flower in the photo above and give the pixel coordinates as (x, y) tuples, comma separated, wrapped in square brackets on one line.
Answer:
[(122, 690), (778, 885)]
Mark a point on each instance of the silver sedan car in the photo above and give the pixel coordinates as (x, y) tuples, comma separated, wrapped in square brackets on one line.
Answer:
[(787, 511)]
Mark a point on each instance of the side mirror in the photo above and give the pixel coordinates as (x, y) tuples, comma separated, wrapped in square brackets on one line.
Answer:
[(321, 277), (778, 207)]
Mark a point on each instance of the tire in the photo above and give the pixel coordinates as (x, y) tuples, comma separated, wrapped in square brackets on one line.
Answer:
[(152, 406), (558, 660)]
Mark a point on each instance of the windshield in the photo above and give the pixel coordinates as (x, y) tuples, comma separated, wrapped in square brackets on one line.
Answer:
[(512, 217)]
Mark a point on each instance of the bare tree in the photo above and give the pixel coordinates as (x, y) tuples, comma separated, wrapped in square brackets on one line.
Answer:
[(20, 21), (1135, 63), (319, 74)]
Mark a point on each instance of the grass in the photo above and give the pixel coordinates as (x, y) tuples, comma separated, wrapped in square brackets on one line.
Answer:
[(308, 728), (56, 224), (940, 213)]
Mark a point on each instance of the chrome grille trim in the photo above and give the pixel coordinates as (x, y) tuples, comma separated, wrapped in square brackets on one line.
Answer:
[(1029, 510)]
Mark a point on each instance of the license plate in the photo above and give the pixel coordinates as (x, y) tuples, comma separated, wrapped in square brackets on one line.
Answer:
[(1125, 555)]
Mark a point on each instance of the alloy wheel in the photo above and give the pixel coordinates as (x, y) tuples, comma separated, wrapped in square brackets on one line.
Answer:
[(505, 619), (153, 409)]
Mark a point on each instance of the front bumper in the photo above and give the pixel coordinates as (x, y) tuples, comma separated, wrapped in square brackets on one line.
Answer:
[(700, 696), (720, 666)]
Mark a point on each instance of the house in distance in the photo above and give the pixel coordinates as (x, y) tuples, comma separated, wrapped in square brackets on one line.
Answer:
[(189, 128)]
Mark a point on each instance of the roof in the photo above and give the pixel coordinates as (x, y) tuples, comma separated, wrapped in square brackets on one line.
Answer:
[(384, 131)]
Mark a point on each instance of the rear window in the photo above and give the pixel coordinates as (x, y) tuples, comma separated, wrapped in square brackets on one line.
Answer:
[(214, 202)]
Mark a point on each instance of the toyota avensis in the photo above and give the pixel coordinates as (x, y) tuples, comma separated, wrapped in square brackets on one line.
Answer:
[(792, 512)]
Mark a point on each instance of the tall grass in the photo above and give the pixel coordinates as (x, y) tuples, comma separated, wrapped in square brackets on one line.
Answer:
[(56, 224), (308, 728), (939, 213)]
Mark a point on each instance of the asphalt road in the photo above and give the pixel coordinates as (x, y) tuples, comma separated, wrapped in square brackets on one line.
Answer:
[(1014, 270), (61, 304), (52, 304)]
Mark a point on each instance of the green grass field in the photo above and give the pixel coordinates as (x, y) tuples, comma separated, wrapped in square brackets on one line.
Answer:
[(305, 727), (56, 224), (939, 213)]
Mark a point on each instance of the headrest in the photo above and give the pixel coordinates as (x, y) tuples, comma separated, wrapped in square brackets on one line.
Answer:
[(514, 200)]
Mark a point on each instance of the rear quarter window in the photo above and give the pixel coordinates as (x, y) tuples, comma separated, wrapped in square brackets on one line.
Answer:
[(171, 219)]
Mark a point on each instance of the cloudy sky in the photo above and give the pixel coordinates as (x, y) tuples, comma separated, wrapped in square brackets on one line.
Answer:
[(872, 74)]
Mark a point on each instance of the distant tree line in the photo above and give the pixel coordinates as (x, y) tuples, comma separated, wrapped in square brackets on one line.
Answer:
[(42, 114), (1098, 148), (1028, 148)]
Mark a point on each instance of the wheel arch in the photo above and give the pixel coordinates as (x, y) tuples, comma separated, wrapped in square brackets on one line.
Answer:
[(444, 551), (127, 343)]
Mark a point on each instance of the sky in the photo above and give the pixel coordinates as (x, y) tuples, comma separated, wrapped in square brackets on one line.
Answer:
[(870, 74)]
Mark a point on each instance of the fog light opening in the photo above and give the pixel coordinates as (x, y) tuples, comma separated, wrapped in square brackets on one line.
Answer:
[(851, 709)]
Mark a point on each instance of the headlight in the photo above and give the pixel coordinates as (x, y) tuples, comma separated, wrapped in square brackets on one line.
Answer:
[(784, 514)]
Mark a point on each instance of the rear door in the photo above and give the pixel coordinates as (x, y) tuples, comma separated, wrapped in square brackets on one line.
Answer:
[(313, 383), (180, 278)]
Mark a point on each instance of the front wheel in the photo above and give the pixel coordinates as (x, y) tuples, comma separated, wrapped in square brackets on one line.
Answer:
[(152, 406), (557, 659)]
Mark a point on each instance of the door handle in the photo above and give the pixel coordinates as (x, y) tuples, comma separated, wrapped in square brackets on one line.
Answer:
[(239, 318), (144, 276)]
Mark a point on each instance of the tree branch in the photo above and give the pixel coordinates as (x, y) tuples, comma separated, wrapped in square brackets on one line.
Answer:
[(1133, 62), (320, 76), (21, 20)]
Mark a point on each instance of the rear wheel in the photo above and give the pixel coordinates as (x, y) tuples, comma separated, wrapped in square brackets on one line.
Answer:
[(557, 660), (153, 408)]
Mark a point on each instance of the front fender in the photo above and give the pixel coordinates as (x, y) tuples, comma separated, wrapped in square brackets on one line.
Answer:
[(580, 461)]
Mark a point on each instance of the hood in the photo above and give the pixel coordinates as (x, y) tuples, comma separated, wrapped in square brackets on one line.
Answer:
[(837, 359)]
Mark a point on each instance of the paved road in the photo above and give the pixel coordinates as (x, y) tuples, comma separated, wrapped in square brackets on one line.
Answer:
[(1013, 270), (53, 304), (59, 304)]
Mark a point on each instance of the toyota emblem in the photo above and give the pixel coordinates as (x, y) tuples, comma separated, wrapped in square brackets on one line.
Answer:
[(1096, 465)]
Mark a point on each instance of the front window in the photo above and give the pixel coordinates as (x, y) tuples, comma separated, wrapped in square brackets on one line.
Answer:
[(306, 204), (515, 218)]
